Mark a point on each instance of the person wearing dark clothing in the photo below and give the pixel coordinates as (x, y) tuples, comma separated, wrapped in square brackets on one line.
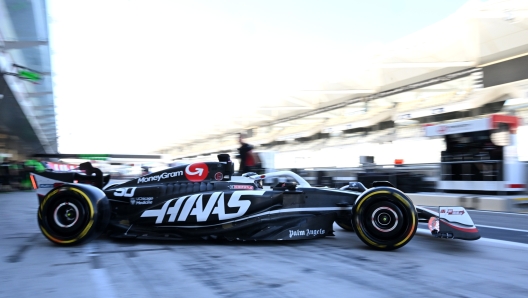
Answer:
[(5, 174), (245, 154)]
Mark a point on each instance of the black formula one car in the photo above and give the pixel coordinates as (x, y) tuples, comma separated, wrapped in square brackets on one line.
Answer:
[(205, 200)]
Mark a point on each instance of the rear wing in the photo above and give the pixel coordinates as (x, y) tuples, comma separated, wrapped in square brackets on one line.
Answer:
[(43, 182)]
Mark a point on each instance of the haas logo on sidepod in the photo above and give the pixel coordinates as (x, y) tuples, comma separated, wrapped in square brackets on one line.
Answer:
[(196, 172), (196, 205)]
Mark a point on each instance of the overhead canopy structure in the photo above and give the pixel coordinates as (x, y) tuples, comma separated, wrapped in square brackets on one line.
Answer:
[(369, 86), (27, 105)]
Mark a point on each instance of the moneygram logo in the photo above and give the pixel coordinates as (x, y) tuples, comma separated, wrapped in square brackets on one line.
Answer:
[(160, 177)]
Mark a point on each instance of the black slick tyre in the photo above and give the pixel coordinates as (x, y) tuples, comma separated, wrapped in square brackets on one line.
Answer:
[(384, 218), (345, 225), (73, 213)]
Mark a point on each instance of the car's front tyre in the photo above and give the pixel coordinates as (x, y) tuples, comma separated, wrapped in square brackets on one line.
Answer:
[(384, 218)]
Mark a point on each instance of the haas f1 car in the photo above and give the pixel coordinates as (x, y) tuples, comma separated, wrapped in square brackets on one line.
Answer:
[(205, 201)]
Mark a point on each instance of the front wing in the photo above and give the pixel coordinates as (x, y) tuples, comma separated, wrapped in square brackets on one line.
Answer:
[(452, 222)]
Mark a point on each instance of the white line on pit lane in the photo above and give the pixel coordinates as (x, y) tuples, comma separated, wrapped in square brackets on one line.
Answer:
[(503, 242), (501, 228), (496, 212)]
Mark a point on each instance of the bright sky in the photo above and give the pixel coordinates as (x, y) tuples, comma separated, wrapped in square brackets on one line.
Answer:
[(134, 75)]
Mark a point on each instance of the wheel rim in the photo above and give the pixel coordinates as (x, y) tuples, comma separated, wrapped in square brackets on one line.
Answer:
[(384, 219), (66, 215)]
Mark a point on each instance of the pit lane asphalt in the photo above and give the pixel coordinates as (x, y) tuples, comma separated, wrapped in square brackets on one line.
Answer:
[(30, 265)]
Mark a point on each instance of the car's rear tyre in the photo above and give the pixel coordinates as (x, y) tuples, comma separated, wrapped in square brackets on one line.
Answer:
[(384, 218), (72, 214), (345, 225)]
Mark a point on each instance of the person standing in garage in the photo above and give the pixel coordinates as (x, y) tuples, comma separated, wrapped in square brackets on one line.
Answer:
[(246, 156)]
